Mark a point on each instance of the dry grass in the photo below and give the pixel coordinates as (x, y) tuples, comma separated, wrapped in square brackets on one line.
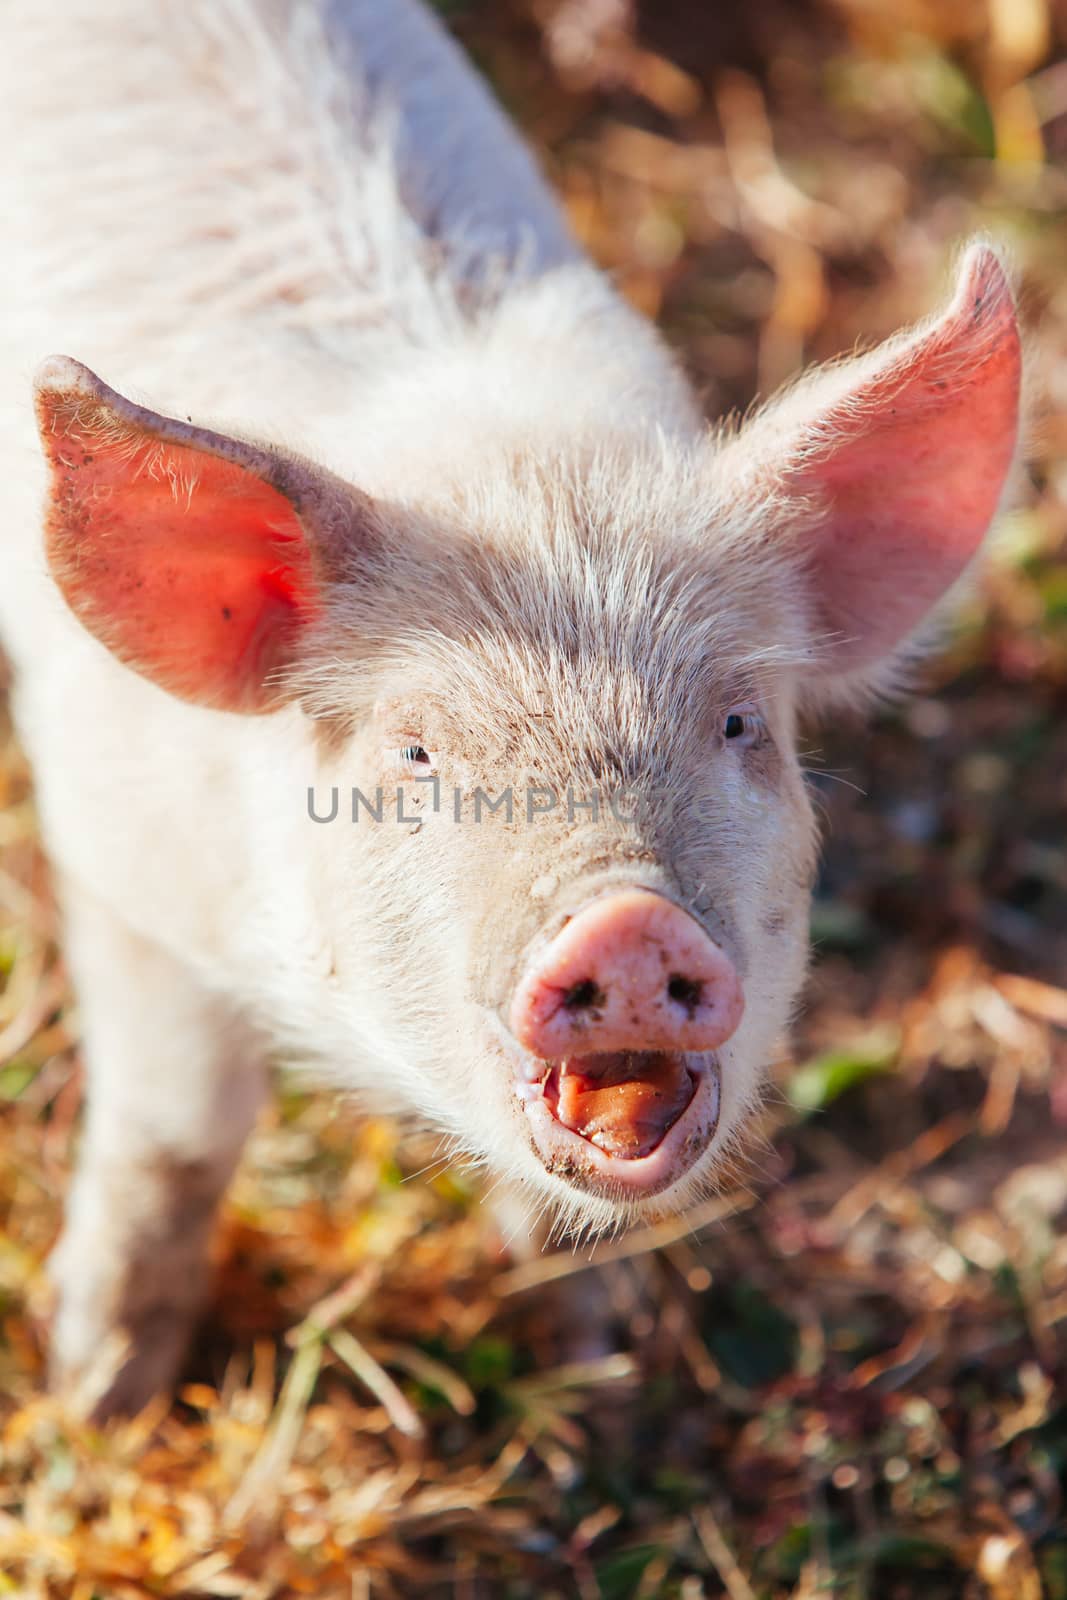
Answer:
[(846, 1381)]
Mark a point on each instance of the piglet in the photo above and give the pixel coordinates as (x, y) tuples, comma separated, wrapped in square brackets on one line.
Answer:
[(411, 678)]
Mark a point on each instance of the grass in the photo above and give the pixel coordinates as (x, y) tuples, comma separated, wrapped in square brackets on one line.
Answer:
[(845, 1379)]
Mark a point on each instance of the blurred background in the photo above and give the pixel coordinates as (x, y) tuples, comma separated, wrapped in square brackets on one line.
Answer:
[(846, 1376)]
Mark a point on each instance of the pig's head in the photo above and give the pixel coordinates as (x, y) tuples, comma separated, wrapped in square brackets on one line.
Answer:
[(582, 984)]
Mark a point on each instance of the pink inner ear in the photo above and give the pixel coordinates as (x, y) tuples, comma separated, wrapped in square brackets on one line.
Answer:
[(186, 563), (913, 467)]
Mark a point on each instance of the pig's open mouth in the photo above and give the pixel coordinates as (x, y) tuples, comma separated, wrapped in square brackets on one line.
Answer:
[(623, 1101), (630, 1121)]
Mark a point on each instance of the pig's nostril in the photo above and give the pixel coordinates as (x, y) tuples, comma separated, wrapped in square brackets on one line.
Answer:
[(684, 991), (583, 996)]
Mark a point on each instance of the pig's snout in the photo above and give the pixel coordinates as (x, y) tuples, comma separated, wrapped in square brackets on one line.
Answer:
[(630, 972)]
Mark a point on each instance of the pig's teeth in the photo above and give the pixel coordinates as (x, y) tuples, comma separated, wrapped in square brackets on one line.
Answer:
[(532, 1070)]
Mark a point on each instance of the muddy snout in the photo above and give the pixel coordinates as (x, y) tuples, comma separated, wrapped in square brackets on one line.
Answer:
[(630, 972)]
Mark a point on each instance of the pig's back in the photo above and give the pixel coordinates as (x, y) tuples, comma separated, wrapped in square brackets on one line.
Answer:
[(185, 180)]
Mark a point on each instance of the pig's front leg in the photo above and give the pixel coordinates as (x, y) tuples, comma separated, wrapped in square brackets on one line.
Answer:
[(174, 1083)]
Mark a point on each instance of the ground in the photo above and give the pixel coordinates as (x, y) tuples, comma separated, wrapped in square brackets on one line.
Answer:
[(844, 1378)]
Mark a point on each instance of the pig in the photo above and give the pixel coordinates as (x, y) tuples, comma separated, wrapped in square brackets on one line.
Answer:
[(410, 676)]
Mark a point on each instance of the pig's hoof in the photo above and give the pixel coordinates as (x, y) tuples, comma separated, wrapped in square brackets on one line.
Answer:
[(116, 1372), (119, 1332)]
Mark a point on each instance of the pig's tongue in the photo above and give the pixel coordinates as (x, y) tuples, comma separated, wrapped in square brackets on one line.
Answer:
[(623, 1102)]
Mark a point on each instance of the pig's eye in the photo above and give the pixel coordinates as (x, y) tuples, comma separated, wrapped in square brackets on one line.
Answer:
[(413, 758), (742, 727)]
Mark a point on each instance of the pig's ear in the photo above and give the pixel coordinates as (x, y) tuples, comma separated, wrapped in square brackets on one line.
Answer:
[(889, 469), (198, 560)]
